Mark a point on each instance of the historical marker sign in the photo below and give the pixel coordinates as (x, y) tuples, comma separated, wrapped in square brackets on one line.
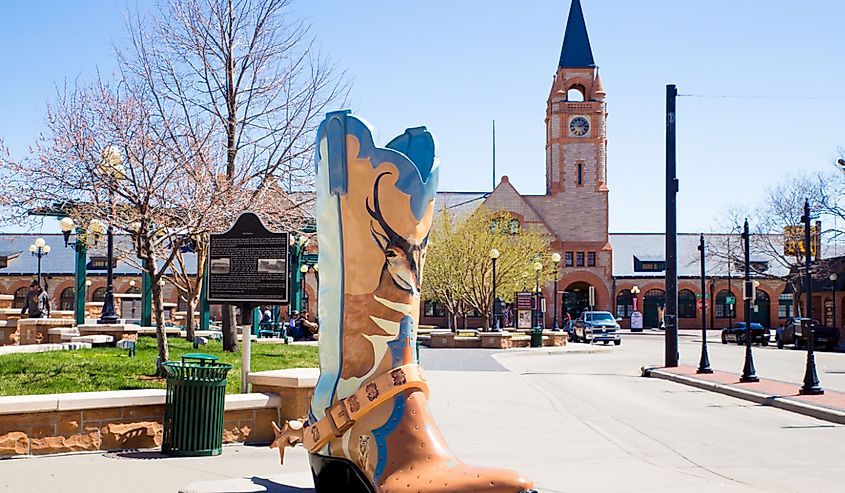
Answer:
[(248, 264)]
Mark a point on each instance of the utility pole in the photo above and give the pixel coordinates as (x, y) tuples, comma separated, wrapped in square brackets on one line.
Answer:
[(671, 312)]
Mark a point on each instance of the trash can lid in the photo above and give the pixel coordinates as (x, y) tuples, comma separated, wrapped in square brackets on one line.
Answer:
[(202, 358)]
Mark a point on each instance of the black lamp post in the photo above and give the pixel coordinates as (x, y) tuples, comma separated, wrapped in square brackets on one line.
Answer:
[(112, 168), (39, 250), (494, 255), (704, 363), (537, 268), (749, 374), (556, 260), (811, 378)]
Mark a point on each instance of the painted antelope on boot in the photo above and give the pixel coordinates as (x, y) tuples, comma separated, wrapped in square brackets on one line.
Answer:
[(403, 258), (379, 315)]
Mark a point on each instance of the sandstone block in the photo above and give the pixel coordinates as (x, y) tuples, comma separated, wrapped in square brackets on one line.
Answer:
[(140, 434), (14, 443)]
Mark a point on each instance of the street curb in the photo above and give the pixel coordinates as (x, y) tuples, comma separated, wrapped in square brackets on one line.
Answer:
[(785, 403), (524, 352)]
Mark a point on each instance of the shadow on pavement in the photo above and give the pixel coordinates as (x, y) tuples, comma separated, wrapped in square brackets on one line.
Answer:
[(274, 487)]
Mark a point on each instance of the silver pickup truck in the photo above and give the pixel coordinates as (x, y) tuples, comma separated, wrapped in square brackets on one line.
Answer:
[(593, 327)]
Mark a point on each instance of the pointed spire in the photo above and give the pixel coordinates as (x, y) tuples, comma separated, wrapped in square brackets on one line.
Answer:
[(576, 51), (598, 88)]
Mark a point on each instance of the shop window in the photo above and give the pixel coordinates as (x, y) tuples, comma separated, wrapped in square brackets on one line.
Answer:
[(785, 308), (723, 310), (20, 297), (99, 295), (434, 309), (67, 300), (686, 304), (624, 303)]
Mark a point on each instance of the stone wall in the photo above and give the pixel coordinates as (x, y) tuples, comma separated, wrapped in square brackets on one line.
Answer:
[(50, 424)]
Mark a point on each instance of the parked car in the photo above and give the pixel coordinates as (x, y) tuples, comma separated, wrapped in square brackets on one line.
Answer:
[(736, 333), (597, 327), (796, 330)]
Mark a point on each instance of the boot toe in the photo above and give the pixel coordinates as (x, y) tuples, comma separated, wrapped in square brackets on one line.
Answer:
[(456, 479)]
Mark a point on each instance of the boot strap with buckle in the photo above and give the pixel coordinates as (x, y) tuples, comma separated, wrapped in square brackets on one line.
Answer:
[(343, 414)]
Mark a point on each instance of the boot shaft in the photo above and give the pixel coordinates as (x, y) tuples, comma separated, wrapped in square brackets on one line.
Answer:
[(374, 212)]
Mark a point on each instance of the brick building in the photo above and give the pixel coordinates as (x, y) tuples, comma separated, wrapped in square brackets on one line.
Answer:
[(624, 269)]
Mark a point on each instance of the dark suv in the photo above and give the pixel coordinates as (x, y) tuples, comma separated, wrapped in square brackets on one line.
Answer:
[(759, 334), (596, 327), (796, 331)]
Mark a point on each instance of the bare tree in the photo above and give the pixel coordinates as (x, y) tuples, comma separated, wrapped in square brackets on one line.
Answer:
[(777, 231), (108, 157), (245, 77)]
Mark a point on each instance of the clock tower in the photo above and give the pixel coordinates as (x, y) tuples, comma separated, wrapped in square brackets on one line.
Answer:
[(576, 141)]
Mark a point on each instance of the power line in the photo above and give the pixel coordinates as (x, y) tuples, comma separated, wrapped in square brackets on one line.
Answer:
[(741, 96)]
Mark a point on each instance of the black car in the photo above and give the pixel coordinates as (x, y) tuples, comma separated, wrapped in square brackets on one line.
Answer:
[(759, 334), (796, 330)]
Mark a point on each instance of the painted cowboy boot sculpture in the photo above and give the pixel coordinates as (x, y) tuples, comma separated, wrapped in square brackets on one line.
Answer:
[(370, 430)]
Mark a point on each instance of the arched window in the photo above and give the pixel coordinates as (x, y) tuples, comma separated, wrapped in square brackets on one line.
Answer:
[(575, 94), (624, 303), (508, 226), (686, 304), (181, 304), (724, 310), (99, 295), (20, 297), (67, 300)]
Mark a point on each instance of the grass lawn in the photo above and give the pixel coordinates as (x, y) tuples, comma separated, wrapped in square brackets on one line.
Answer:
[(88, 370)]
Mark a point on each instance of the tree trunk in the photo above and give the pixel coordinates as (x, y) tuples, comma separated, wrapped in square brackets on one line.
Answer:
[(230, 329), (190, 321), (161, 335)]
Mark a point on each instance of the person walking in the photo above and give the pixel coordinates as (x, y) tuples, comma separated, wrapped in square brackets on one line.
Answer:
[(37, 303)]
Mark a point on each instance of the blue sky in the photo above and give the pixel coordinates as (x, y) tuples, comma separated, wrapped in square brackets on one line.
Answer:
[(456, 65)]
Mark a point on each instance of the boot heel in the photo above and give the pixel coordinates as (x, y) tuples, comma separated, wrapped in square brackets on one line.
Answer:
[(335, 475)]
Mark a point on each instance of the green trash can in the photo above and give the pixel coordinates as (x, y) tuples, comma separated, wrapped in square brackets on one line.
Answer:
[(193, 413), (536, 337)]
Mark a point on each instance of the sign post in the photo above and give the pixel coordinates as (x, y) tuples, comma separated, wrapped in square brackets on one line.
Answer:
[(248, 266)]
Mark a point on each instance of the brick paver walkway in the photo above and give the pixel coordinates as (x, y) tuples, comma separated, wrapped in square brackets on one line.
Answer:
[(772, 388)]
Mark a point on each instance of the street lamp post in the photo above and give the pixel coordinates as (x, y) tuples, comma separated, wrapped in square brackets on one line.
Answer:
[(811, 378), (749, 374), (111, 167), (556, 260), (303, 270), (537, 330), (704, 363), (39, 250), (494, 255), (833, 278)]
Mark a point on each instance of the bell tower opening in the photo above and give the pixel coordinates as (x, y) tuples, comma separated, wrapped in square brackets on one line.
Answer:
[(575, 94)]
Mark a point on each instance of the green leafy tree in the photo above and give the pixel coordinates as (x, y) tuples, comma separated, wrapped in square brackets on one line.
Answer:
[(459, 270)]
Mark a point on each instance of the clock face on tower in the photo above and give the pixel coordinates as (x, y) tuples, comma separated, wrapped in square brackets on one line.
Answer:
[(579, 126)]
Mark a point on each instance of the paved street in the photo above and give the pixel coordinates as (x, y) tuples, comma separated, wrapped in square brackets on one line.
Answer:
[(654, 434), (572, 421)]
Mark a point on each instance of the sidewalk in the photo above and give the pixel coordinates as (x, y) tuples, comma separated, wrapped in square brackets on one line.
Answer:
[(829, 406)]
